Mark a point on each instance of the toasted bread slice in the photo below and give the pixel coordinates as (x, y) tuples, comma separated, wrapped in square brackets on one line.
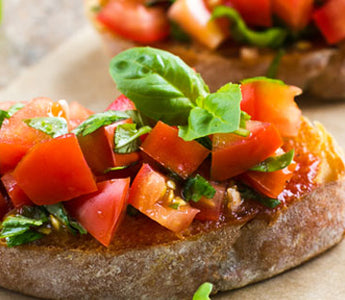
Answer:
[(147, 261)]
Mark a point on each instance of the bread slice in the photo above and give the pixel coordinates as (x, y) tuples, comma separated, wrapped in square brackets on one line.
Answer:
[(146, 261), (317, 69)]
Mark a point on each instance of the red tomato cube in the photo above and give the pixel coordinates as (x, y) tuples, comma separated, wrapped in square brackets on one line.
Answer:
[(17, 195), (121, 103)]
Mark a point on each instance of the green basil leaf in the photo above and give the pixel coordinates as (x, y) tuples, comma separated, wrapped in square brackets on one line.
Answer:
[(96, 121), (203, 292), (24, 238), (3, 115), (59, 211), (160, 84), (273, 37), (20, 221), (53, 126), (217, 113), (205, 141), (249, 194), (13, 231), (275, 163), (273, 68), (197, 187), (178, 34), (262, 78), (127, 138), (14, 108)]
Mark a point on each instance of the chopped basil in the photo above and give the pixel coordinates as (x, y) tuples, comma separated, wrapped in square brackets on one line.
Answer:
[(197, 187), (96, 121), (10, 112), (53, 126), (262, 78), (205, 141), (272, 37), (127, 137), (3, 115), (203, 292), (178, 33), (249, 194), (24, 238), (273, 68), (275, 163)]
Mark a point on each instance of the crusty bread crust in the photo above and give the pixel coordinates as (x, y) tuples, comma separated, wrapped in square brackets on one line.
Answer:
[(318, 70)]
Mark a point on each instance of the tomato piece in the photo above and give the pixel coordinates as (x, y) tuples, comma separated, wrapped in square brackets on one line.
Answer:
[(77, 114), (133, 20), (272, 101), (295, 13), (122, 103), (17, 195), (55, 171), (233, 154), (148, 194), (254, 12), (165, 146), (195, 18), (7, 104), (211, 209), (101, 212), (330, 20), (270, 184)]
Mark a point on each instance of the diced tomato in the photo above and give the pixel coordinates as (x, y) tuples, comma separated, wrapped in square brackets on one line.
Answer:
[(233, 154), (3, 207), (270, 184), (98, 149), (101, 212), (55, 171), (7, 104), (16, 138), (133, 20), (77, 114), (18, 197), (254, 12), (165, 146), (195, 18), (211, 209), (330, 20), (295, 13), (122, 103), (272, 101), (147, 194)]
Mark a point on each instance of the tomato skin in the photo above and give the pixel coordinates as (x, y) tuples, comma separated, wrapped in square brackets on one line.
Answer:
[(195, 18), (233, 154), (254, 12), (16, 138), (101, 212), (295, 13), (146, 195), (133, 20), (165, 146), (17, 195), (122, 103), (273, 102), (330, 20), (77, 114), (55, 171)]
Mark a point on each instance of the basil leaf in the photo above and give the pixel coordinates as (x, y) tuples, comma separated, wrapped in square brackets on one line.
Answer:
[(262, 78), (273, 68), (3, 115), (203, 292), (127, 138), (160, 84), (13, 231), (10, 112), (53, 126), (59, 211), (273, 37), (197, 187), (96, 121), (178, 34), (248, 194), (205, 141), (275, 163), (217, 113), (24, 238)]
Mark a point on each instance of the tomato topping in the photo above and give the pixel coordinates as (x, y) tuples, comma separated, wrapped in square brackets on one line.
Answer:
[(295, 13), (122, 103), (211, 209), (233, 154), (101, 212), (195, 18), (254, 12), (148, 194), (165, 146), (330, 20), (16, 138), (55, 171), (133, 20), (77, 114), (272, 101), (17, 195)]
